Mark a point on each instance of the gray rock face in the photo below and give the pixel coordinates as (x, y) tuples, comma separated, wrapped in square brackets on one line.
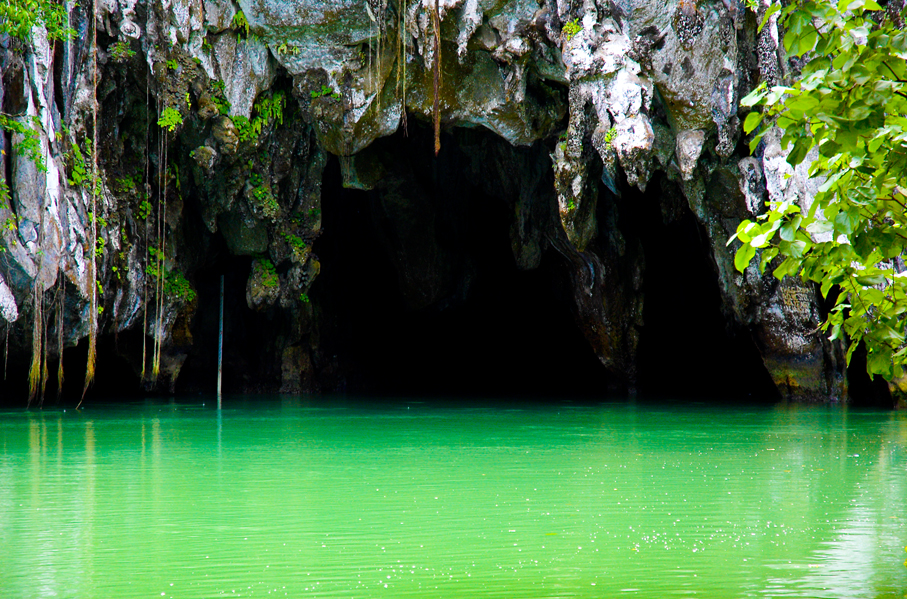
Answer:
[(632, 87)]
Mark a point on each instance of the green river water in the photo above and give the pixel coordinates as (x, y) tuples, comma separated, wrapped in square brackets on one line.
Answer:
[(283, 498)]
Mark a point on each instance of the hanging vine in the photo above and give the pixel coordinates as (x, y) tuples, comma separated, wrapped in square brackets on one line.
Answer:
[(166, 122), (93, 235), (61, 294), (147, 187), (436, 72), (401, 62)]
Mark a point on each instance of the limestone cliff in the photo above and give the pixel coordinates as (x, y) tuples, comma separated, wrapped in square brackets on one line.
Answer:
[(212, 123)]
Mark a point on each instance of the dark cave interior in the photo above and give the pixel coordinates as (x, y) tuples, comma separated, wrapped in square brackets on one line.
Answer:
[(513, 333), (508, 334)]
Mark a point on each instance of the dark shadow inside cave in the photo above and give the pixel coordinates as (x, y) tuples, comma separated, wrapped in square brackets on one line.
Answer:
[(496, 331), (499, 332), (688, 348)]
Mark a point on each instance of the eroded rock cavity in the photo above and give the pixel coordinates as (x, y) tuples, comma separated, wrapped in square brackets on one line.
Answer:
[(267, 140)]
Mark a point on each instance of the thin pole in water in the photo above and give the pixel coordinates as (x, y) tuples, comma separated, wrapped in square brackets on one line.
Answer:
[(220, 344)]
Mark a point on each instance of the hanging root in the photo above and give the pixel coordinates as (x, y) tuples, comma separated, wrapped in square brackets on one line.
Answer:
[(436, 106), (401, 63), (92, 266), (60, 342), (45, 373), (34, 372)]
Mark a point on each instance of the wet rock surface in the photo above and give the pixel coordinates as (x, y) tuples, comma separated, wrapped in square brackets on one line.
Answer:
[(216, 124)]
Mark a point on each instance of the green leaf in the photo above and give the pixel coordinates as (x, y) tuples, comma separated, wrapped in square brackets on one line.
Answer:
[(850, 349), (869, 280), (835, 333), (755, 96), (745, 231), (844, 223), (775, 7), (807, 42), (879, 362), (743, 257), (787, 267), (768, 255), (752, 121), (789, 229), (798, 248), (799, 151)]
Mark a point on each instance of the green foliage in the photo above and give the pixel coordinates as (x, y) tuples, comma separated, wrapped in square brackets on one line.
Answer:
[(270, 109), (325, 91), (223, 106), (265, 202), (288, 49), (19, 17), (571, 28), (262, 198), (126, 184), (4, 193), (102, 222), (295, 241), (152, 269), (266, 110), (144, 210), (30, 144), (170, 119), (244, 128), (173, 65), (218, 96), (176, 286), (609, 137), (268, 272), (240, 23), (4, 204), (850, 104), (79, 175), (304, 298), (120, 51)]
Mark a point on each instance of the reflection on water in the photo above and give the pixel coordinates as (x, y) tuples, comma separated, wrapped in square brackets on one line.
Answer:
[(422, 500)]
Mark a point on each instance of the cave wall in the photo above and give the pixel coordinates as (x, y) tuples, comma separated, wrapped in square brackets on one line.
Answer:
[(576, 118)]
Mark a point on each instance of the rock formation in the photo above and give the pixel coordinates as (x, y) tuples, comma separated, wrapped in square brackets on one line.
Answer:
[(216, 122)]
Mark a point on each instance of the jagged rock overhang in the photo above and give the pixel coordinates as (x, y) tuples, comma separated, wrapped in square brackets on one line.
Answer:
[(652, 88)]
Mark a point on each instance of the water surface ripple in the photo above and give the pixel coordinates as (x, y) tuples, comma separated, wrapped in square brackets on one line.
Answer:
[(287, 499)]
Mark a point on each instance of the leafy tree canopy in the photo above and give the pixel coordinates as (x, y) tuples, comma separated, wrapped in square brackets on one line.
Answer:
[(850, 104), (19, 17)]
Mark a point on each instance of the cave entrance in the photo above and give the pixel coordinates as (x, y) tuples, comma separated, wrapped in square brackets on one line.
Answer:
[(688, 347), (491, 330)]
